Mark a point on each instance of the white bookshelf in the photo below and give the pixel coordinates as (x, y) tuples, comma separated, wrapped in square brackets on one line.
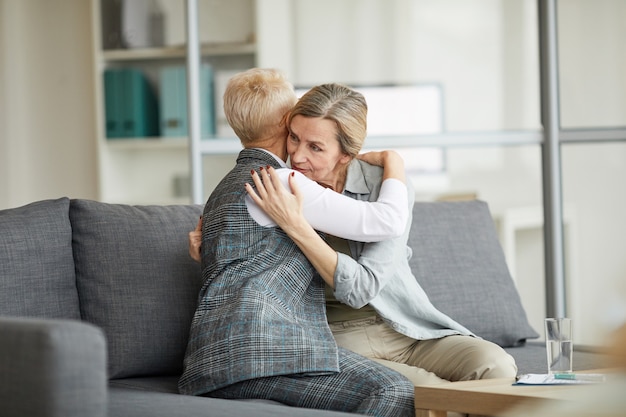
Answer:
[(149, 170)]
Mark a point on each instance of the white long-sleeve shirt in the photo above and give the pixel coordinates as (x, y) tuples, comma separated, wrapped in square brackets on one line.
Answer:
[(331, 212)]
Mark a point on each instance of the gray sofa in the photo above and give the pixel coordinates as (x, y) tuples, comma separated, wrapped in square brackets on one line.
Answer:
[(96, 301)]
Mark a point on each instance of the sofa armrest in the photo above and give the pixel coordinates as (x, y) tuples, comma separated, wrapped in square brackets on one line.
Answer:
[(52, 368)]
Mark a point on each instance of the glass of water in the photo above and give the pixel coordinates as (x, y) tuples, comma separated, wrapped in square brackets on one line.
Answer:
[(559, 345)]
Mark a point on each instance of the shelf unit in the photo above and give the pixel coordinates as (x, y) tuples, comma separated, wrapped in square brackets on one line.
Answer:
[(174, 52), (156, 170)]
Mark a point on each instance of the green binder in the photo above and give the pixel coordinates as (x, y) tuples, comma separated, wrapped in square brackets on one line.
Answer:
[(131, 105)]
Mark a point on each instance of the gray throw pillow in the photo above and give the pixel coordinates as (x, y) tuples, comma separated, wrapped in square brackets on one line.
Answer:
[(459, 262), (36, 264), (137, 282)]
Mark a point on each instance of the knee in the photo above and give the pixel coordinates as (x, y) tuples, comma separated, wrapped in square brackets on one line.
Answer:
[(487, 360), (388, 394), (499, 365), (401, 395), (403, 388), (392, 396)]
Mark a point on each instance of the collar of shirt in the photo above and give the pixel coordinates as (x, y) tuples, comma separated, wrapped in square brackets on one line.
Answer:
[(280, 161), (355, 179)]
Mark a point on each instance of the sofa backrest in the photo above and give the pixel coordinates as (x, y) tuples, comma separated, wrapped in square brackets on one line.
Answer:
[(137, 282), (458, 260), (127, 270), (36, 264)]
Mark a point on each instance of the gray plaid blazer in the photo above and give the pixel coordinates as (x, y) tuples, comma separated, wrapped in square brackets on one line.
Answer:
[(261, 310)]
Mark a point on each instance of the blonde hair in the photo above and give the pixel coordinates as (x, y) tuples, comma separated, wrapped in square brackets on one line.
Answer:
[(256, 102), (341, 104)]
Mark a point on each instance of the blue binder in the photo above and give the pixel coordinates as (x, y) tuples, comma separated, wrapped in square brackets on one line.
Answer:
[(131, 107), (173, 102)]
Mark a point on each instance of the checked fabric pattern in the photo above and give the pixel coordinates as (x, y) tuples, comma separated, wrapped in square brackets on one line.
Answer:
[(261, 308)]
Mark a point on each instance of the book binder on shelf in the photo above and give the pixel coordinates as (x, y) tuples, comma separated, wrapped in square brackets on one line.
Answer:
[(173, 103), (113, 104), (131, 107)]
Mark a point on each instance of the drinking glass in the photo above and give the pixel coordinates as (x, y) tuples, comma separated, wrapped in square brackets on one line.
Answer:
[(559, 346)]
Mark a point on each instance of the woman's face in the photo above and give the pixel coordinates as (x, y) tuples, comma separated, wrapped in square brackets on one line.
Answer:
[(314, 150)]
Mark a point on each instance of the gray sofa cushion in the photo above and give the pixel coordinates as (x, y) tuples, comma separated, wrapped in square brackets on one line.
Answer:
[(137, 282), (459, 262), (36, 265), (129, 402)]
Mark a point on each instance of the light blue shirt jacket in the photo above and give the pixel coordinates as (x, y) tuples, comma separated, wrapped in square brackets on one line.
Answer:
[(379, 273)]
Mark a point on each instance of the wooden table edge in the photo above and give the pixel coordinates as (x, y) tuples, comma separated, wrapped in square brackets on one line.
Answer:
[(474, 397)]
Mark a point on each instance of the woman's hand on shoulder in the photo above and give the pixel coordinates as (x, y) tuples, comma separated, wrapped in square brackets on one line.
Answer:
[(195, 242), (282, 205), (389, 160), (382, 158)]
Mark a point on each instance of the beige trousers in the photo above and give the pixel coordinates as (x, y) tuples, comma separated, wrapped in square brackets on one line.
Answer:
[(425, 362)]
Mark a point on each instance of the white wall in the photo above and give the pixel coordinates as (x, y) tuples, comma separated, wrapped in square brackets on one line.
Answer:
[(591, 45), (46, 99), (593, 181), (470, 51), (4, 149)]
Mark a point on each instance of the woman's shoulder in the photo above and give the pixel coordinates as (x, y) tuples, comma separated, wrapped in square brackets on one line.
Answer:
[(371, 177), (372, 173), (364, 178), (367, 169)]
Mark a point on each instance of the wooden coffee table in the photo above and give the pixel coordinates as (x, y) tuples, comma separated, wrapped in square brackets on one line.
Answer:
[(488, 397)]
